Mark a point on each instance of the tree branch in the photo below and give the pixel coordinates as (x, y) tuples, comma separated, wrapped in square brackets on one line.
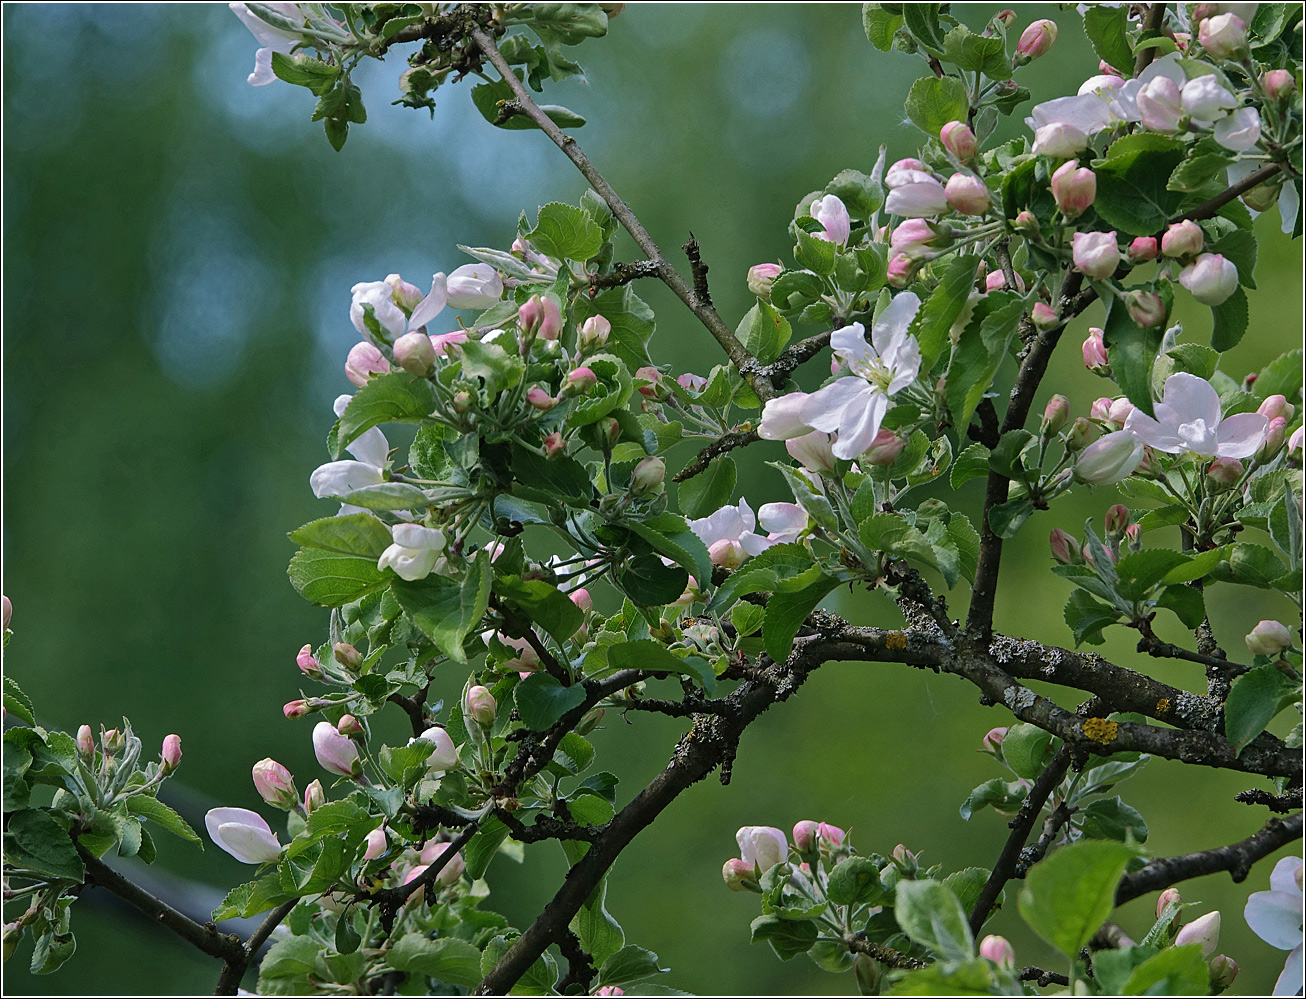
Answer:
[(1040, 977), (704, 310), (858, 944), (795, 354), (1155, 16), (724, 443), (234, 968), (622, 274), (1207, 209), (390, 899)]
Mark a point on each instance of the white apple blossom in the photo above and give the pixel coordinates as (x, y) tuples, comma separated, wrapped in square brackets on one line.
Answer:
[(764, 846), (833, 216), (783, 522), (243, 834), (1206, 100), (272, 39), (416, 552), (1239, 131), (340, 478), (1188, 420), (782, 418), (474, 286), (1276, 917), (731, 523), (387, 311)]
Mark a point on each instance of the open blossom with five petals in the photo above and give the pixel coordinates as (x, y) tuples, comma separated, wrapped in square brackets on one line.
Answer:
[(1276, 917), (270, 38), (732, 523), (243, 834), (416, 551), (854, 406), (340, 478), (1188, 419)]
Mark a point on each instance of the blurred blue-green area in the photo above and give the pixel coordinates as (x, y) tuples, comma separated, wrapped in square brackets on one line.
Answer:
[(179, 252)]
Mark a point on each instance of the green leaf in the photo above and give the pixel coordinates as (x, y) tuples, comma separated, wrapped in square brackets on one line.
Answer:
[(855, 881), (392, 397), (16, 702), (861, 196), (1105, 27), (631, 319), (932, 101), (930, 914), (541, 700), (1005, 519), (986, 54), (1087, 617), (764, 332), (600, 935), (544, 605), (1139, 571), (791, 601), (879, 25), (942, 308), (1111, 818), (1026, 750), (1132, 350), (483, 847), (1186, 601), (648, 654), (1200, 168), (34, 840), (1131, 184), (1176, 971), (629, 964), (563, 476), (446, 959), (923, 23), (492, 364), (649, 583), (330, 579), (1195, 358), (566, 231), (787, 937), (445, 610), (1002, 795), (252, 898), (967, 541), (1256, 697), (1282, 376), (304, 71), (1238, 246), (980, 351), (972, 463), (156, 811), (710, 489), (1255, 565), (489, 98), (1229, 320), (670, 535), (890, 533), (762, 573), (1068, 895), (351, 534)]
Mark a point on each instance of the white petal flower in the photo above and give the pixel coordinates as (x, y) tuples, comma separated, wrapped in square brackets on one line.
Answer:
[(380, 296), (416, 551), (272, 39), (1240, 131), (1205, 100), (474, 286), (432, 305), (340, 478), (243, 834), (1276, 917), (781, 419), (1188, 419), (764, 846), (731, 523), (783, 522)]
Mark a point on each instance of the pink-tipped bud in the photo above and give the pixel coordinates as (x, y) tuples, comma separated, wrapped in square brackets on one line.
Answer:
[(1116, 520), (364, 361), (1055, 415), (593, 334), (295, 709), (377, 844), (1146, 308), (1080, 434), (998, 950), (1119, 412), (967, 194), (1166, 899), (1101, 409), (335, 753), (1026, 223), (86, 743), (314, 797), (993, 739), (884, 450), (1210, 278), (726, 553), (446, 344), (6, 611), (171, 753), (1095, 355), (541, 400), (582, 599), (1295, 444), (414, 353), (405, 294), (1223, 36), (1275, 435), (906, 860), (1182, 239), (349, 726), (657, 387), (1268, 638), (307, 663), (1006, 17), (113, 741), (1142, 249), (462, 402), (648, 476), (275, 784), (579, 381), (554, 445), (1224, 970), (1095, 254), (735, 873), (831, 836), (902, 268), (1065, 547), (1044, 316), (1035, 41), (1278, 84), (479, 705), (805, 835), (1223, 474), (1276, 407), (1106, 69), (1074, 188), (1134, 537), (691, 382), (451, 871), (958, 139), (761, 277), (347, 656), (1203, 931)]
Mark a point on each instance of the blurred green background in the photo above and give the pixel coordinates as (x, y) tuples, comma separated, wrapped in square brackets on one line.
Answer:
[(179, 251)]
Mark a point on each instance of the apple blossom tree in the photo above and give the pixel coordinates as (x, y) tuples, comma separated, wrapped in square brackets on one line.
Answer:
[(942, 284)]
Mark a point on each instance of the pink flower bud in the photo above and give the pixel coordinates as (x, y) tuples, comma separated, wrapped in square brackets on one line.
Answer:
[(462, 402), (1210, 279), (805, 835), (1026, 223), (541, 400), (347, 656), (1276, 407), (582, 599), (113, 741), (445, 756), (1059, 140), (1035, 41), (691, 382), (364, 361), (376, 844), (335, 753), (997, 950), (1223, 474), (445, 344), (656, 387), (1142, 249), (648, 476), (1055, 414), (1119, 412), (1146, 308), (906, 860), (579, 381), (761, 277), (902, 268), (593, 334), (1182, 239), (451, 871), (726, 553), (1106, 69), (1224, 970), (1167, 898), (306, 662), (86, 743), (1268, 638), (1065, 547), (314, 797), (1095, 254), (884, 450), (405, 294), (735, 873), (415, 354), (1080, 435), (1278, 84), (479, 705), (994, 737), (243, 834), (171, 754), (958, 139), (1109, 460), (1044, 316), (912, 234), (1295, 443), (6, 611), (1203, 931), (611, 990), (1074, 188), (1005, 17), (833, 216), (967, 194), (548, 318), (1160, 105), (295, 709), (275, 784), (1223, 36), (814, 451), (349, 726), (830, 835), (554, 445), (1116, 520), (763, 846), (1101, 409), (1095, 356)]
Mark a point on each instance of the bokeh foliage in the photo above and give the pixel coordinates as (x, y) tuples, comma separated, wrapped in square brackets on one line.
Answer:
[(179, 251)]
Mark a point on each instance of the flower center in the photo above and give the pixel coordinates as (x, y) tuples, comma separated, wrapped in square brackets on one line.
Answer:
[(1196, 434)]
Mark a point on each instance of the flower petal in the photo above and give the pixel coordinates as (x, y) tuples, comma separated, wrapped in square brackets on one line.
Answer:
[(340, 478), (1192, 398), (860, 425), (1275, 917), (890, 329), (1152, 433), (1241, 436), (432, 305), (370, 447), (1291, 978), (824, 408), (1284, 876), (781, 420)]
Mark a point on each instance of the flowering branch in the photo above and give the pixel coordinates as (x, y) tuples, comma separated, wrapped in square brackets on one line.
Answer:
[(234, 968), (724, 443)]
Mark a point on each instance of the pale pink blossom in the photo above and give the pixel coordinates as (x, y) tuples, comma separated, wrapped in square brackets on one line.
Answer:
[(1096, 254), (1210, 279), (336, 753), (1276, 917), (1188, 420), (243, 834), (833, 216), (762, 846), (731, 523), (783, 522)]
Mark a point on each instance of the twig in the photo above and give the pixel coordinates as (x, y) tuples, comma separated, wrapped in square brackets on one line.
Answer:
[(1158, 649), (1153, 23), (1021, 826), (858, 944), (580, 964), (698, 270), (390, 899), (1052, 825), (622, 273), (795, 354), (1040, 977), (1282, 804), (726, 442), (234, 968), (1207, 209)]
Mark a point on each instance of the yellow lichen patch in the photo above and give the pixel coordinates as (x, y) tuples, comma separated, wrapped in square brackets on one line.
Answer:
[(1163, 705), (895, 640), (1101, 730)]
